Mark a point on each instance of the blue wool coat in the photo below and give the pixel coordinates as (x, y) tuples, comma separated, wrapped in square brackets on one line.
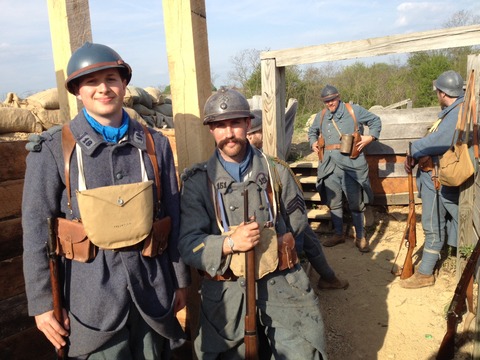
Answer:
[(99, 294)]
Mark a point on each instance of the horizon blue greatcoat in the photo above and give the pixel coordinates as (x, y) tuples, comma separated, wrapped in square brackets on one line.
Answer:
[(354, 169), (99, 294), (287, 305), (438, 215)]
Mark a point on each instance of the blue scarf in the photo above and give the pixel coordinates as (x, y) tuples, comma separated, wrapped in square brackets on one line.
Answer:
[(237, 170), (109, 133)]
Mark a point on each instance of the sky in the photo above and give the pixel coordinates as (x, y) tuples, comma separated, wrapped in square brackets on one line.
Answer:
[(135, 30)]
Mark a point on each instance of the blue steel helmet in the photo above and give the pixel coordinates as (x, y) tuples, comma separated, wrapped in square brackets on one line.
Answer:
[(329, 92), (256, 124), (94, 57), (226, 104), (450, 82)]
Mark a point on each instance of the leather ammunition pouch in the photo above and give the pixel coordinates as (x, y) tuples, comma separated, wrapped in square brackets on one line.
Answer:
[(321, 147), (157, 241), (356, 139), (425, 163), (72, 241), (287, 254)]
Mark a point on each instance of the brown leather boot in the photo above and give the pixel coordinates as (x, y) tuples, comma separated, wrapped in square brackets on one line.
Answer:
[(334, 240), (362, 244), (335, 283), (417, 281)]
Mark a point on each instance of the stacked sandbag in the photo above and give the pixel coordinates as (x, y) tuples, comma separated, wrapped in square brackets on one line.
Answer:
[(41, 111), (151, 105)]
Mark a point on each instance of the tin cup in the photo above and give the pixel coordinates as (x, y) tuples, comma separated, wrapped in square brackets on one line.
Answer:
[(346, 143)]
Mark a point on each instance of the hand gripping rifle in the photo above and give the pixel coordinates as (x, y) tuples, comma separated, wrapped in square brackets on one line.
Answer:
[(458, 306), (250, 336), (410, 233), (54, 279)]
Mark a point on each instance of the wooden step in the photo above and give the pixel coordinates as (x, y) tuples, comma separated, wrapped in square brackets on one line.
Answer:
[(310, 179), (311, 196), (304, 164), (321, 213)]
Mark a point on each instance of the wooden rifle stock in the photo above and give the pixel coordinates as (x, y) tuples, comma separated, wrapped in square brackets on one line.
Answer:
[(54, 279), (410, 234), (458, 307), (250, 335)]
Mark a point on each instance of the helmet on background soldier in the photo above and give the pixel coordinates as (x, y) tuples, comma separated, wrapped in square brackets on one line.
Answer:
[(90, 58), (226, 104), (328, 93), (450, 82), (256, 121)]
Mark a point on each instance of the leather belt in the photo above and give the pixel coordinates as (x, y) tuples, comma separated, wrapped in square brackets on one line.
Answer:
[(227, 276), (136, 247), (332, 147)]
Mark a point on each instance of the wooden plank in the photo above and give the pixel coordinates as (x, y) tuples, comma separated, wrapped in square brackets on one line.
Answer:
[(69, 29), (27, 345), (273, 113), (13, 154), (189, 69), (321, 213), (11, 198), (393, 44), (10, 238), (14, 316), (11, 278)]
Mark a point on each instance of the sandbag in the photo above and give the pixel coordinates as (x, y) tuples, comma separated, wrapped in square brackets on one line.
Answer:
[(18, 120), (165, 109), (47, 99), (156, 95), (48, 118), (137, 95), (143, 110)]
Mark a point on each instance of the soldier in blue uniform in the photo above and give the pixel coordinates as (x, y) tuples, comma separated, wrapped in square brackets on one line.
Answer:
[(439, 203), (214, 239), (341, 173), (118, 304)]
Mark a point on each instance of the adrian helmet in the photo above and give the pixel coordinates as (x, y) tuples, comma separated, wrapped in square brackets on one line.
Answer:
[(256, 124), (226, 104), (94, 57), (329, 92), (450, 82)]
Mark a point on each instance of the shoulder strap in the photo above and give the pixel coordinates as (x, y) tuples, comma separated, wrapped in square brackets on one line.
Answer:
[(352, 114), (153, 158), (68, 144), (322, 115)]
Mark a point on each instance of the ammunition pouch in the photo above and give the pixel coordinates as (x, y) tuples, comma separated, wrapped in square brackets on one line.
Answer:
[(72, 241), (287, 254), (157, 241), (357, 137), (321, 147), (425, 163)]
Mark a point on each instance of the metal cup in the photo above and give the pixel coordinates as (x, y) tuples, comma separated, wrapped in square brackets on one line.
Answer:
[(346, 143)]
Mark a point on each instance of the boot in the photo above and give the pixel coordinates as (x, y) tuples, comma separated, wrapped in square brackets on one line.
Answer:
[(334, 240), (362, 244), (335, 283), (417, 281)]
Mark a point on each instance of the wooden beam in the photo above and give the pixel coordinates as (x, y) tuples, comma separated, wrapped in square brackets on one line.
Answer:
[(69, 29), (273, 114), (190, 82), (394, 44)]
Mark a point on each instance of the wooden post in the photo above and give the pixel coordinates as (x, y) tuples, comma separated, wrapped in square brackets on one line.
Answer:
[(69, 28), (190, 83), (273, 113)]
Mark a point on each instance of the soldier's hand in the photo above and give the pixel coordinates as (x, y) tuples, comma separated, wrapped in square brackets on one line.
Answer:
[(409, 164), (315, 147), (53, 330), (246, 236)]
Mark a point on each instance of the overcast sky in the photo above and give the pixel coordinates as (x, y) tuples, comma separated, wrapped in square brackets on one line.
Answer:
[(135, 30)]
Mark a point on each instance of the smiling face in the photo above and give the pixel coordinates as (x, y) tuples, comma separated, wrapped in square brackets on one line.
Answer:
[(230, 137), (332, 104), (102, 94)]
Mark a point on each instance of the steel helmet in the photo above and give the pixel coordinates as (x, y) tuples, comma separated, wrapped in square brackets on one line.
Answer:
[(94, 57), (329, 92), (226, 104), (256, 121), (450, 82)]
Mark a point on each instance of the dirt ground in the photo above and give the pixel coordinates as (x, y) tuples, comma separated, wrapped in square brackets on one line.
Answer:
[(375, 318)]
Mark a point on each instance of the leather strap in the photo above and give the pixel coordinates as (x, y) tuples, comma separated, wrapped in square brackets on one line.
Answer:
[(332, 147), (227, 276), (153, 158), (68, 144)]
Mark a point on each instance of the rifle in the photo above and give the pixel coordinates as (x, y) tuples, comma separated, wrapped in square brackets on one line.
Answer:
[(250, 335), (410, 232), (54, 279), (458, 306)]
